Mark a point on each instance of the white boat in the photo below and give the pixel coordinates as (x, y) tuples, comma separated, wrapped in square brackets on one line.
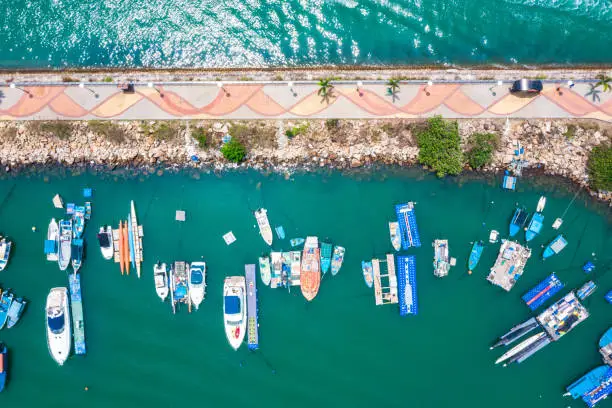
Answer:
[(136, 237), (197, 283), (541, 204), (265, 230), (396, 239), (234, 310), (105, 239), (264, 270), (493, 236), (160, 277), (59, 337), (65, 244), (5, 252), (53, 238), (520, 347), (557, 223)]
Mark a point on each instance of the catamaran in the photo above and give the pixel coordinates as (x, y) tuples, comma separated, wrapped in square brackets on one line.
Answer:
[(51, 243), (15, 311), (475, 255), (5, 252), (65, 244), (337, 259), (5, 304), (368, 273), (265, 230), (78, 221), (58, 325), (234, 310), (310, 277), (396, 238), (105, 239), (326, 254), (160, 277), (264, 270), (197, 283), (441, 259), (555, 246)]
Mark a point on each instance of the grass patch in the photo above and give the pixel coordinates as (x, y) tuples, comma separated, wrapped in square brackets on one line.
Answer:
[(599, 168), (111, 131), (202, 137), (296, 130), (481, 149), (234, 151), (253, 134), (162, 131), (60, 129), (107, 79), (439, 147), (570, 133)]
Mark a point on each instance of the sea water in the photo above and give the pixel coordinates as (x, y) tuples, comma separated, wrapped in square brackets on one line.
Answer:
[(338, 350)]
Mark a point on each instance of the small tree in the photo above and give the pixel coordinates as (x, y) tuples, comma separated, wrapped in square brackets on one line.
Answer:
[(326, 90), (481, 148), (605, 82), (439, 147), (599, 168), (234, 151)]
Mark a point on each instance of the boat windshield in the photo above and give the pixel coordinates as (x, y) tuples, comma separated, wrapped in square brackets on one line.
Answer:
[(103, 240), (56, 323), (196, 277), (232, 305)]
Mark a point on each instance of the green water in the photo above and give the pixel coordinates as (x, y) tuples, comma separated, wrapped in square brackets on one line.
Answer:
[(339, 350)]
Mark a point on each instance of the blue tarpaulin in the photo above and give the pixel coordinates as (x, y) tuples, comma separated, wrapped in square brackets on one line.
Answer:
[(87, 192), (232, 304), (50, 246)]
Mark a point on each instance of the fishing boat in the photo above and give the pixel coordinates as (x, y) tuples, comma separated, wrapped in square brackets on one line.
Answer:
[(5, 252), (296, 241), (160, 277), (65, 244), (475, 255), (541, 204), (521, 346), (105, 239), (535, 226), (593, 387), (179, 284), (3, 365), (337, 259), (264, 270), (78, 221), (441, 259), (58, 324), (394, 233), (516, 333), (77, 254), (5, 304), (136, 238), (197, 283), (78, 319), (261, 216), (368, 273), (277, 269), (15, 311), (586, 290), (51, 243), (234, 313), (494, 236), (126, 248), (326, 254), (555, 246), (310, 277), (518, 221)]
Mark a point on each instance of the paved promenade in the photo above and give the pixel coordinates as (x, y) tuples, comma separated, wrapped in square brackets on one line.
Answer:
[(282, 100)]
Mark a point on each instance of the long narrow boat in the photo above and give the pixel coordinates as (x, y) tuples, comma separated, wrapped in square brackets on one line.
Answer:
[(3, 365), (234, 310), (529, 351), (15, 311), (126, 248), (337, 259), (516, 333), (5, 303), (310, 277), (171, 287), (521, 346), (65, 244), (555, 246), (252, 324), (518, 221), (58, 324), (264, 270), (394, 233), (326, 254), (52, 241), (137, 238), (535, 226), (78, 221), (265, 230), (475, 255), (77, 254), (368, 273), (130, 230), (78, 320), (197, 283), (160, 277), (121, 249)]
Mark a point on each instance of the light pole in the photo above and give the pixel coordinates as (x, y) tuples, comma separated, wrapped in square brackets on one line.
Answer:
[(152, 86), (220, 86), (499, 83), (359, 86), (82, 86), (429, 83), (13, 86), (290, 85)]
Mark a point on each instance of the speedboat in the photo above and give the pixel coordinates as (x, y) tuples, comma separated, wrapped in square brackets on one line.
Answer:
[(78, 221), (3, 365), (535, 226), (368, 273), (518, 221), (105, 239), (5, 252), (264, 270), (326, 254), (65, 244), (77, 254), (475, 255), (493, 236), (197, 283), (59, 337), (555, 246), (396, 238), (234, 310), (15, 311), (52, 241), (265, 230), (337, 259), (586, 290), (160, 276), (5, 303)]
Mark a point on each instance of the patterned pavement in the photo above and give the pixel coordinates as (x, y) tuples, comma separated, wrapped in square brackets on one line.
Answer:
[(278, 100)]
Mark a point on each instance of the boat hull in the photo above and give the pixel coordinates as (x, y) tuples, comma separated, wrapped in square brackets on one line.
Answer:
[(197, 289), (59, 342), (310, 277), (234, 310), (475, 255), (264, 270)]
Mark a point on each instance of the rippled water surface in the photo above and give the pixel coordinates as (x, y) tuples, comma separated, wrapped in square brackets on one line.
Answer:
[(229, 33)]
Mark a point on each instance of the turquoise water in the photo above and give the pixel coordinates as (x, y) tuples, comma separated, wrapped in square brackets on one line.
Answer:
[(231, 33), (340, 350)]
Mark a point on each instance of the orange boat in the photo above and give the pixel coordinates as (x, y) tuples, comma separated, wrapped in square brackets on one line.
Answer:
[(126, 248), (310, 277), (121, 263)]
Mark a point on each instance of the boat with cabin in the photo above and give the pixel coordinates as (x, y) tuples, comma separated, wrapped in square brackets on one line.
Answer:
[(5, 252), (519, 219), (494, 237), (51, 243), (77, 253), (14, 312), (475, 255), (276, 259), (394, 234), (264, 270), (78, 221), (556, 245), (326, 254), (265, 230), (179, 283), (5, 304), (296, 242), (593, 387), (160, 278), (310, 277), (586, 290), (337, 259), (368, 273), (197, 283), (234, 310), (78, 319), (535, 226), (59, 337), (105, 239), (65, 244), (3, 365), (441, 262)]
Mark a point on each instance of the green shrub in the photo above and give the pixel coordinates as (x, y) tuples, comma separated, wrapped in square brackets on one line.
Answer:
[(296, 130), (599, 167), (439, 147), (481, 148), (201, 135), (234, 151), (570, 133), (107, 79), (332, 124), (165, 131), (60, 129), (109, 130)]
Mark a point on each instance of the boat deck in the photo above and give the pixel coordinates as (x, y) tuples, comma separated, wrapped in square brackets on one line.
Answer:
[(78, 321), (546, 289), (509, 265), (560, 318), (385, 294), (252, 325), (406, 278), (409, 231)]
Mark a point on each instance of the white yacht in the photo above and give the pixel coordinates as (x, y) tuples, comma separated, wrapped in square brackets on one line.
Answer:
[(234, 310), (160, 276), (105, 239), (197, 283), (65, 244), (59, 337), (53, 238), (265, 230)]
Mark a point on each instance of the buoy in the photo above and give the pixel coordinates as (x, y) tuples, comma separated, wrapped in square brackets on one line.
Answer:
[(469, 272), (86, 388), (33, 229)]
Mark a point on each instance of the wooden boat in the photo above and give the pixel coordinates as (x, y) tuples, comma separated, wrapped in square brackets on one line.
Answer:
[(265, 230), (396, 238), (326, 254), (368, 273), (337, 259), (264, 270), (310, 277), (160, 277)]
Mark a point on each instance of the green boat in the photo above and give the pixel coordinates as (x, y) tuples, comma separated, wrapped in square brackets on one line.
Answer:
[(326, 254)]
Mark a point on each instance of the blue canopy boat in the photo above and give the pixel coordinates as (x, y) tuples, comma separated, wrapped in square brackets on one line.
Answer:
[(518, 221), (535, 226), (475, 254), (555, 246), (5, 304), (609, 297)]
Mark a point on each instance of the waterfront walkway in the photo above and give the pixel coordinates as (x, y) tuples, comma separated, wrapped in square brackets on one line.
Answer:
[(283, 100)]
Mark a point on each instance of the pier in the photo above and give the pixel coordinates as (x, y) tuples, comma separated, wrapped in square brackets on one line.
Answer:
[(78, 320), (509, 265), (385, 294), (252, 325), (406, 278)]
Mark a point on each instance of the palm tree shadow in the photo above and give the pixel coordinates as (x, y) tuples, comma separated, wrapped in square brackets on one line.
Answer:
[(594, 93)]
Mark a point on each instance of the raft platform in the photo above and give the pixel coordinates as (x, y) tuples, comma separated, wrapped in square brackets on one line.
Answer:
[(78, 321), (385, 294), (406, 279), (409, 232), (509, 265), (546, 289), (252, 325)]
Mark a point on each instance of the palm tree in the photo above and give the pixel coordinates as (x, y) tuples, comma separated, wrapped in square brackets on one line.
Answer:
[(326, 90), (605, 82), (594, 93)]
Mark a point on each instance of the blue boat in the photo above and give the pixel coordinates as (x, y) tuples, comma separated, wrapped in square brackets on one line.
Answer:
[(326, 254), (280, 232), (535, 226), (78, 319), (3, 365), (78, 224), (519, 219), (477, 249), (588, 267), (406, 280), (5, 303), (592, 387), (509, 182), (555, 246), (609, 297), (15, 311), (586, 290), (409, 231), (77, 254), (296, 241), (546, 289)]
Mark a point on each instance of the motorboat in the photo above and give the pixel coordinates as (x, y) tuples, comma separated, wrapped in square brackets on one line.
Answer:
[(197, 283), (59, 338), (160, 277), (265, 230), (51, 244), (105, 239), (234, 310), (14, 312), (65, 244)]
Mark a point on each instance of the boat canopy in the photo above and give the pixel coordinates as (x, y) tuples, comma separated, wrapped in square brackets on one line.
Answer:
[(103, 240), (56, 323), (232, 305), (50, 246), (196, 276)]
